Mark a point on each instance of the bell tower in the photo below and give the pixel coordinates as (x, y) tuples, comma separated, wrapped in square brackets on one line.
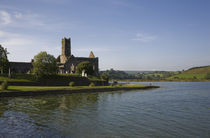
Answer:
[(65, 49)]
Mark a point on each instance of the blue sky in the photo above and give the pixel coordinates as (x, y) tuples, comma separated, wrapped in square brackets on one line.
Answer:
[(124, 34)]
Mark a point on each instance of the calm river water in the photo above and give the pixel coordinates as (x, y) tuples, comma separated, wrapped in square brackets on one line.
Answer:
[(177, 109)]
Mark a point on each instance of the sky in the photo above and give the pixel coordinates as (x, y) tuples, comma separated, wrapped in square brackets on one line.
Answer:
[(168, 35)]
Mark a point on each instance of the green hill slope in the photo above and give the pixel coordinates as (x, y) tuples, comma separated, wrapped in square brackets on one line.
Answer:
[(196, 73), (198, 70)]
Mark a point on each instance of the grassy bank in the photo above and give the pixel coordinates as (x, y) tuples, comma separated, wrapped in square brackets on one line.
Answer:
[(31, 77), (41, 88), (15, 91), (54, 80)]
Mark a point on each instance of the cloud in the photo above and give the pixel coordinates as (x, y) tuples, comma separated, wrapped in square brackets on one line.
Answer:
[(144, 37), (20, 19), (24, 47), (18, 15), (5, 18), (14, 42), (4, 34), (16, 27)]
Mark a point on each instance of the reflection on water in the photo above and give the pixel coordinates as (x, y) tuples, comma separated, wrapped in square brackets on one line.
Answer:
[(177, 109)]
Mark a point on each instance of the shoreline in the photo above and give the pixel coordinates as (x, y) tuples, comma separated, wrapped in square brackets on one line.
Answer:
[(163, 80), (68, 91)]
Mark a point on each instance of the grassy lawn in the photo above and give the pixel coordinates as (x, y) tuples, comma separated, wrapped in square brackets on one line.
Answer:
[(38, 88), (17, 77), (30, 77), (2, 78)]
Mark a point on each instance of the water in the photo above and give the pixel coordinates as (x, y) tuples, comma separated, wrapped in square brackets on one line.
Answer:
[(177, 109)]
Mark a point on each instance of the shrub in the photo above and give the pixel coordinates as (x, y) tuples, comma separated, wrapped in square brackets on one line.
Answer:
[(176, 77), (4, 85), (105, 77), (72, 84), (92, 84), (207, 76), (93, 78), (112, 84), (119, 84)]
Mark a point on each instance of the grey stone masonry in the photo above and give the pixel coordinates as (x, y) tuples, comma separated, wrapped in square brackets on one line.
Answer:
[(68, 63), (65, 49)]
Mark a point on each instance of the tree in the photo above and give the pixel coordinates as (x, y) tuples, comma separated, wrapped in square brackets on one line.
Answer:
[(44, 65), (4, 63), (105, 77), (87, 66)]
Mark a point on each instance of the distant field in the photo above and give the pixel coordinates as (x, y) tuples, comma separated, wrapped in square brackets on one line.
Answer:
[(197, 73), (188, 76)]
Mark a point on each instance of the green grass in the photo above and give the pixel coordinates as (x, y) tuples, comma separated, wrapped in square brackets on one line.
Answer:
[(94, 78), (135, 85), (198, 70), (30, 77), (188, 76), (17, 77), (2, 78), (193, 74), (39, 88)]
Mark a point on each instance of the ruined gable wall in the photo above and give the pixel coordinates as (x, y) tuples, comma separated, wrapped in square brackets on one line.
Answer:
[(76, 60)]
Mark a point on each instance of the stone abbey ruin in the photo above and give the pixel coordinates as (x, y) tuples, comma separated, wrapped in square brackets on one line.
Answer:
[(67, 62)]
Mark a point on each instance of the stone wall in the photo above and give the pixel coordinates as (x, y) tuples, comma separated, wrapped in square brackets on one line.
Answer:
[(21, 67)]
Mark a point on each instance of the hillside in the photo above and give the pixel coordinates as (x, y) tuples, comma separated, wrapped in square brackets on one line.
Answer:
[(196, 73), (137, 72), (198, 70), (137, 75)]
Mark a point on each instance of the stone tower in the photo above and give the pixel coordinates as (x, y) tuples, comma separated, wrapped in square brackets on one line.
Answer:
[(66, 49)]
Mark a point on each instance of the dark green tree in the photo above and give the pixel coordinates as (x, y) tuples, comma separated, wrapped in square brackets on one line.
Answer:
[(44, 65), (4, 62), (105, 77), (87, 66)]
